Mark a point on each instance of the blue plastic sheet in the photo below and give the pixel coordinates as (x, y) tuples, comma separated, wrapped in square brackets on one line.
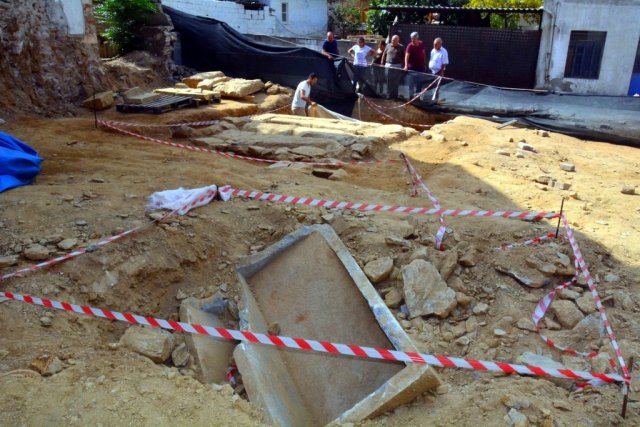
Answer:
[(19, 163)]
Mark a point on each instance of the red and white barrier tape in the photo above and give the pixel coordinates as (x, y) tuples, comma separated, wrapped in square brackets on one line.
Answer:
[(582, 265), (319, 346), (238, 156), (258, 195), (378, 110), (417, 182), (186, 207), (534, 241), (158, 125)]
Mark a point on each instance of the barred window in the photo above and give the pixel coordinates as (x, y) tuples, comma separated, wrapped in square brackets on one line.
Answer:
[(585, 54)]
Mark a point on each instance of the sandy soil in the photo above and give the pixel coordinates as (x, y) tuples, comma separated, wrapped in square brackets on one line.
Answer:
[(103, 179)]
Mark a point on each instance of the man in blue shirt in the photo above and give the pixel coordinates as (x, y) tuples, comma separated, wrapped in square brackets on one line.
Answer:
[(330, 47)]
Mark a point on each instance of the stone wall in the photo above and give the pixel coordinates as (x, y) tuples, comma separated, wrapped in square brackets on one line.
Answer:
[(44, 69)]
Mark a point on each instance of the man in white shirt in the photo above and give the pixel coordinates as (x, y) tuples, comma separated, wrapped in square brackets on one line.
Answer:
[(301, 98), (359, 52), (439, 58)]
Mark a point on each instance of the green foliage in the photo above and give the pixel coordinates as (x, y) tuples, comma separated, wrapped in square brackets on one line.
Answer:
[(379, 21), (344, 17), (507, 20), (122, 20)]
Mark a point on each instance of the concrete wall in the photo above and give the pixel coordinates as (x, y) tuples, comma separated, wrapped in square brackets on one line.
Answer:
[(619, 18), (305, 18)]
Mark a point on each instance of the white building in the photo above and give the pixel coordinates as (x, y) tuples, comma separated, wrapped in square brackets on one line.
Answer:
[(282, 18), (590, 47)]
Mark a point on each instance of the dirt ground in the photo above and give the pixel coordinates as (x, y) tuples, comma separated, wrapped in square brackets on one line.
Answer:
[(95, 183)]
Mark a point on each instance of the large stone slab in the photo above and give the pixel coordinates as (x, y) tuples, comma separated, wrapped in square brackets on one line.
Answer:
[(239, 88), (211, 355), (103, 100), (308, 285)]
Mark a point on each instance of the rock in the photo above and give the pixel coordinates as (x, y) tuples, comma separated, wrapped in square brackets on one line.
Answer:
[(499, 332), (438, 137), (526, 324), (526, 147), (46, 321), (180, 295), (46, 365), (586, 304), (67, 244), (379, 269), (628, 189), (180, 356), (309, 151), (397, 241), (420, 253), (516, 419), (449, 264), (425, 292), (503, 152), (543, 179), (538, 360), (520, 154), (9, 260), (611, 278), (469, 258), (568, 167), (560, 185), (36, 252), (338, 175), (103, 100), (516, 402), (239, 88), (566, 312), (480, 308), (544, 134), (361, 149), (566, 293), (393, 298), (463, 299), (561, 404), (156, 344)]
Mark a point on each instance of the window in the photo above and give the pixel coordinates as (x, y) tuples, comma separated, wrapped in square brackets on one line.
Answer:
[(585, 54), (285, 11)]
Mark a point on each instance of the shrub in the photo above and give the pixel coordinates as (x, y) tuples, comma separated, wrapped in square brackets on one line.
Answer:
[(122, 20)]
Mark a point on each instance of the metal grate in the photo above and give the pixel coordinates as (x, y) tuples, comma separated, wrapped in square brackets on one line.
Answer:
[(491, 56)]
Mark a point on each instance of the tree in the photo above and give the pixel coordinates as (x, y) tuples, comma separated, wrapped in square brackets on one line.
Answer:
[(344, 17), (507, 20), (379, 21), (122, 20)]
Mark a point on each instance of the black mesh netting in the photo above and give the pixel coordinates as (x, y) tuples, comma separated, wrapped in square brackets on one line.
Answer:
[(208, 44)]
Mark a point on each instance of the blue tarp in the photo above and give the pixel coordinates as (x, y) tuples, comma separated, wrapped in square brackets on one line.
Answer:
[(19, 163)]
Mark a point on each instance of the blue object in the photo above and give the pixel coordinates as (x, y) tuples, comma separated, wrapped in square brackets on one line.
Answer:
[(634, 86), (19, 163)]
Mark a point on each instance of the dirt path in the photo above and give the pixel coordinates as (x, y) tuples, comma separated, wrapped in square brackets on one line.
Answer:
[(95, 183)]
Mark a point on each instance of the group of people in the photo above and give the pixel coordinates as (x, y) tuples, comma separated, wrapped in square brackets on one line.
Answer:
[(392, 55)]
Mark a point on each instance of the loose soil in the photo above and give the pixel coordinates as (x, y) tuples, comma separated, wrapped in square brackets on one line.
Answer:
[(102, 179)]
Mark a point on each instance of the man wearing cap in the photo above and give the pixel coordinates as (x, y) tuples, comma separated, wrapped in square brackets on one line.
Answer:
[(439, 58), (415, 58), (301, 98)]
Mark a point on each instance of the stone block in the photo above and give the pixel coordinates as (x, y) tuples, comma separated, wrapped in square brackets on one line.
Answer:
[(211, 355), (103, 100)]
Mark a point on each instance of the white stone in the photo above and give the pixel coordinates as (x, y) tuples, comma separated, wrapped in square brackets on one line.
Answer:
[(425, 291), (156, 344), (379, 269)]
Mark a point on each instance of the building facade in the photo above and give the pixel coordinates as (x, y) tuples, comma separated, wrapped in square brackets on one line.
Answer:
[(590, 47), (280, 18)]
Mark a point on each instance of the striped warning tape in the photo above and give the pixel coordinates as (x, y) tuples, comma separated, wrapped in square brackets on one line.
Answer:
[(534, 241), (193, 202), (417, 182), (258, 195), (582, 265), (238, 156), (319, 346)]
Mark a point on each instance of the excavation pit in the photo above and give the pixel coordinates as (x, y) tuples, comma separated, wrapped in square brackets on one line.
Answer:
[(308, 285)]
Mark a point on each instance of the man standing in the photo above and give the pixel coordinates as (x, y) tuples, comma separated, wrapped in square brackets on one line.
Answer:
[(415, 58), (360, 52), (393, 56), (439, 58), (301, 97), (330, 47)]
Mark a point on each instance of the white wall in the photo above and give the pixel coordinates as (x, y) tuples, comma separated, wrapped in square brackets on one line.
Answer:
[(619, 18), (305, 17), (74, 15)]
